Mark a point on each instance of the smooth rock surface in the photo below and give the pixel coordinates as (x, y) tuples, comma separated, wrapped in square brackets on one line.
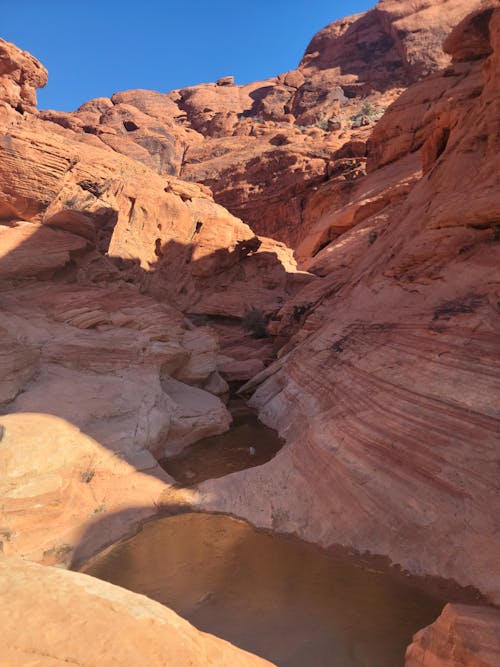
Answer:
[(58, 484), (50, 617)]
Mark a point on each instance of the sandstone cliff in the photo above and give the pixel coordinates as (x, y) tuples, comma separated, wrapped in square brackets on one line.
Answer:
[(387, 393), (100, 260), (265, 147), (387, 380), (100, 372)]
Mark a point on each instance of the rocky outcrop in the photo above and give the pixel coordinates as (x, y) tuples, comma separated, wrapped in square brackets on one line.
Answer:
[(265, 148), (386, 394), (386, 382), (162, 234), (462, 636), (101, 259), (20, 76), (50, 617)]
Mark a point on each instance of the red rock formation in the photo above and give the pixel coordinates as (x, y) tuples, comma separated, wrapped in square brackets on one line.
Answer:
[(387, 393), (386, 387), (20, 76), (57, 482), (462, 636), (99, 258), (265, 148)]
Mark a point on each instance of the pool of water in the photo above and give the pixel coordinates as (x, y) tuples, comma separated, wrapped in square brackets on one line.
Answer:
[(248, 443), (283, 599)]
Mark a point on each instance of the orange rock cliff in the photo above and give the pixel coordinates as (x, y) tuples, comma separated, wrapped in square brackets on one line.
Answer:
[(352, 205)]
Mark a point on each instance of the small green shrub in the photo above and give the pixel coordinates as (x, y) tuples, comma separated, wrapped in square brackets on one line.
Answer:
[(367, 109), (255, 322), (87, 476), (322, 123)]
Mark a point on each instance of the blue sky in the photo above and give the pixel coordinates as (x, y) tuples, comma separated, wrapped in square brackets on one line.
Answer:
[(95, 48)]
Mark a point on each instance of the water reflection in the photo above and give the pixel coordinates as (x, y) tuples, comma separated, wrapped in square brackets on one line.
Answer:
[(282, 599)]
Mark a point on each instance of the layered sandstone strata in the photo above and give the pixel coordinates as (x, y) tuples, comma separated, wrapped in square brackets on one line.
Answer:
[(386, 387), (387, 394), (100, 260)]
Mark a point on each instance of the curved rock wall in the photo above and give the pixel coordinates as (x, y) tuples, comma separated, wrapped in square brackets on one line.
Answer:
[(387, 394), (100, 257), (387, 382)]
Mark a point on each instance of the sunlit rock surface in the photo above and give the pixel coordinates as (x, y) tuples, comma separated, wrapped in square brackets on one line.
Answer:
[(101, 259), (51, 617), (463, 636), (265, 147)]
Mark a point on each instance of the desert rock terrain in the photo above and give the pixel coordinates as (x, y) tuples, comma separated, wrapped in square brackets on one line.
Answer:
[(329, 239)]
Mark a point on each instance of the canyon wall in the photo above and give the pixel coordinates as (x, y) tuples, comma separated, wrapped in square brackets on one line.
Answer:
[(265, 148), (386, 376), (100, 260), (387, 392), (101, 372)]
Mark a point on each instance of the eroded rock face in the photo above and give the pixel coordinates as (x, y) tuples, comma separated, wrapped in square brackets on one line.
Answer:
[(387, 393), (106, 360), (265, 148), (50, 617), (100, 260), (20, 76), (462, 636), (386, 385), (165, 235)]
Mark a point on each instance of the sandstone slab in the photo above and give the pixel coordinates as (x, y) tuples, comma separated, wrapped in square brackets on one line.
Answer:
[(71, 617)]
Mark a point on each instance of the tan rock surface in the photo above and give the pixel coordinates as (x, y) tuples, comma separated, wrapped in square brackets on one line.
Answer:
[(30, 250), (18, 364), (462, 636), (59, 485), (386, 391), (97, 346), (166, 236), (68, 617), (98, 256)]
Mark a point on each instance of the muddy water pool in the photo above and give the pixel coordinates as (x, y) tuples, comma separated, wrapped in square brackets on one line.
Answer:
[(281, 598)]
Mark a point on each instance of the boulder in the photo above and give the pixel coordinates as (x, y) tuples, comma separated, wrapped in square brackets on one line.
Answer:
[(225, 81), (20, 75), (463, 636)]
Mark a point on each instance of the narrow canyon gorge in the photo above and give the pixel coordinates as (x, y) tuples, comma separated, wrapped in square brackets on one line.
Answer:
[(265, 315)]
